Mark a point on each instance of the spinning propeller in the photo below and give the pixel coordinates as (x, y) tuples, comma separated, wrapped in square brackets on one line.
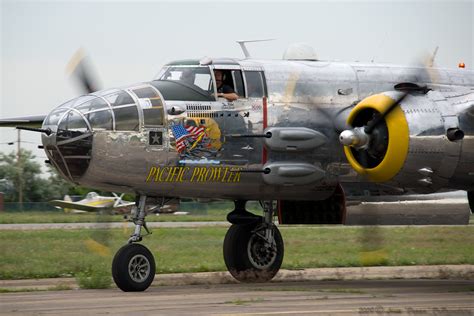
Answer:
[(80, 68), (376, 143)]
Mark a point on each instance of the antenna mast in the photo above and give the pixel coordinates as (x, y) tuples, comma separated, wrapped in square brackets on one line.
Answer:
[(244, 48)]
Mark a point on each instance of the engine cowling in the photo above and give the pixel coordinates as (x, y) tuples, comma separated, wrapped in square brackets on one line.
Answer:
[(384, 154), (416, 141)]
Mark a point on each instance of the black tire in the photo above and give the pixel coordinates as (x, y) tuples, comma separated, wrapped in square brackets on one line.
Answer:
[(244, 257), (133, 268), (470, 198)]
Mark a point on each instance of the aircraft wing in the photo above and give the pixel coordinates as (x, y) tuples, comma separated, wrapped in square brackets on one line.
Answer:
[(86, 207), (76, 206), (27, 121)]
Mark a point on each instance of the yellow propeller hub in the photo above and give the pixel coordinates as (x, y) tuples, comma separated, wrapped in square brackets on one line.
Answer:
[(398, 139)]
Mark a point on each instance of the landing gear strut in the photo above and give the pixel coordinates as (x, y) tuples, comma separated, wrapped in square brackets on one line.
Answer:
[(133, 267), (253, 246)]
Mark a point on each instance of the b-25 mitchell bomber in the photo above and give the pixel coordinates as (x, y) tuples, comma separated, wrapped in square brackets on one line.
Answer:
[(299, 130)]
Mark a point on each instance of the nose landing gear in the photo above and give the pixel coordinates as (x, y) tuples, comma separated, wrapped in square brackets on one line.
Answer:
[(133, 267), (253, 252)]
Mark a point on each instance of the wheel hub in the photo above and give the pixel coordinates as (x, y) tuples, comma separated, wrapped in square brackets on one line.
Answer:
[(139, 268), (261, 253)]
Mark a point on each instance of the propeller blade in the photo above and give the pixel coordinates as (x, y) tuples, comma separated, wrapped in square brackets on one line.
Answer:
[(364, 158), (118, 199), (80, 68), (380, 118)]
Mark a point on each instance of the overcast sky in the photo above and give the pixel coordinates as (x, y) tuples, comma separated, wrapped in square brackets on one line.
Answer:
[(129, 41)]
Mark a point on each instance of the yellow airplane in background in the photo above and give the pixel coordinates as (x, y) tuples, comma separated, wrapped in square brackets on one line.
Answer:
[(93, 202)]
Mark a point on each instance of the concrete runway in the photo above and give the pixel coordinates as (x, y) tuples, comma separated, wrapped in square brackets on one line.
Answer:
[(374, 297)]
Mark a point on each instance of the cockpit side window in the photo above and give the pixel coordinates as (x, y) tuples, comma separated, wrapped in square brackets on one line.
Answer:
[(255, 84), (238, 82), (229, 81), (194, 77), (185, 83), (151, 104), (125, 111)]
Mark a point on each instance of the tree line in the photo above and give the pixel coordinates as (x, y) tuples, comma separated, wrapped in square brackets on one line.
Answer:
[(36, 187)]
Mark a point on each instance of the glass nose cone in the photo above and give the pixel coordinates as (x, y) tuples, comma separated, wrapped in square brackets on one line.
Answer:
[(69, 147)]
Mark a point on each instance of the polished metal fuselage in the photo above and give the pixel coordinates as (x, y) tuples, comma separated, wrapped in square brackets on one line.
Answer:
[(316, 95)]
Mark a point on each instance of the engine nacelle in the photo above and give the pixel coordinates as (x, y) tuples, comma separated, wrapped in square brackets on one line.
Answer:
[(418, 144)]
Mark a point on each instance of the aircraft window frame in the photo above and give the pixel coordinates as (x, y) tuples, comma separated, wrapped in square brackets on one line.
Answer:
[(120, 105), (72, 110), (233, 72), (114, 109), (67, 104), (59, 111), (103, 93), (158, 96), (93, 107), (111, 111), (82, 100), (167, 69), (262, 83), (98, 112), (230, 69)]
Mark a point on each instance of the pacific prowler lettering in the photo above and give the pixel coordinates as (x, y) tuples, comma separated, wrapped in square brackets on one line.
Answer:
[(194, 174)]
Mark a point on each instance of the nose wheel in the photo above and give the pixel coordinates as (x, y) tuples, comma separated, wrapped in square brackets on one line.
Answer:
[(254, 252), (133, 267)]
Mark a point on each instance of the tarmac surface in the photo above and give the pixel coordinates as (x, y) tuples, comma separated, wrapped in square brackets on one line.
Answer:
[(333, 291), (360, 297)]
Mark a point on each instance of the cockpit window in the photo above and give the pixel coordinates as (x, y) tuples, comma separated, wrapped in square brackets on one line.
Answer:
[(255, 84), (185, 83), (74, 122), (125, 111), (54, 116), (194, 76), (98, 113), (121, 98), (152, 105)]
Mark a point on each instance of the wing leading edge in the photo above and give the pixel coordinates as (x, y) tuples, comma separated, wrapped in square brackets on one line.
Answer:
[(27, 121)]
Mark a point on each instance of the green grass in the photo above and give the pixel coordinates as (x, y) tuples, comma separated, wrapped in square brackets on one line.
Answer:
[(60, 253), (216, 211), (198, 212), (59, 217)]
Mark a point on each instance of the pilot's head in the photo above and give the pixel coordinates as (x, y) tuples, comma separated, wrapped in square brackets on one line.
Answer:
[(219, 78)]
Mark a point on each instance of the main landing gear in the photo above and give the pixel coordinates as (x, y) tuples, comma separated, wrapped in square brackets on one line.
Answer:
[(253, 249), (253, 246)]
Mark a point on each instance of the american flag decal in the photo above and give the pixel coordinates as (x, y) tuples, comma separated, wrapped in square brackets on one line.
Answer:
[(195, 131), (183, 135)]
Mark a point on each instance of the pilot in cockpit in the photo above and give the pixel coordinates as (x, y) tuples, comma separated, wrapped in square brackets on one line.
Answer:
[(223, 89)]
